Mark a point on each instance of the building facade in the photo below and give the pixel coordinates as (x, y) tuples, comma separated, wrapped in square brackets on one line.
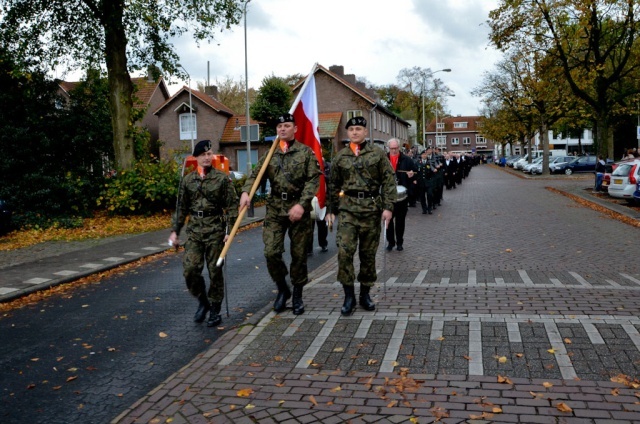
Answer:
[(459, 134)]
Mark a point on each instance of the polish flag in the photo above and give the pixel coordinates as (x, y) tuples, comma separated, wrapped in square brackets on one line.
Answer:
[(305, 112)]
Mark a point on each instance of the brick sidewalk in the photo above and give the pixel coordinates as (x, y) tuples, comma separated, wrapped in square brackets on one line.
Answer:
[(498, 310)]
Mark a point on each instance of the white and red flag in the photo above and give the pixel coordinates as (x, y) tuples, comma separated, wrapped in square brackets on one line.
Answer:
[(305, 112)]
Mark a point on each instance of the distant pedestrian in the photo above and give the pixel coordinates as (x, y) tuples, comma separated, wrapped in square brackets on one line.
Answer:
[(600, 170), (405, 169), (207, 197), (362, 192), (294, 175)]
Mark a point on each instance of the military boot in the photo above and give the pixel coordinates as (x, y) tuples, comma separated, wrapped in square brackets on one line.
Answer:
[(349, 304), (214, 316), (298, 305), (283, 295), (203, 308), (365, 301)]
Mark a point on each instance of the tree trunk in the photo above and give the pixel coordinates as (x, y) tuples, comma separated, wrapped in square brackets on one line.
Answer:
[(604, 137), (120, 85)]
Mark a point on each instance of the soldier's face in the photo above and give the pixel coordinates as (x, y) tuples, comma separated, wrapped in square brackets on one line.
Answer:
[(356, 133), (286, 131), (204, 159)]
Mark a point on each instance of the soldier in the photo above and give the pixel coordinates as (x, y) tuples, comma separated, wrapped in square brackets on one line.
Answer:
[(362, 191), (294, 175), (426, 182), (209, 199)]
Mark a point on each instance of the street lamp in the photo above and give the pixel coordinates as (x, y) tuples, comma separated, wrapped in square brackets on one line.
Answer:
[(191, 124), (250, 212), (424, 132)]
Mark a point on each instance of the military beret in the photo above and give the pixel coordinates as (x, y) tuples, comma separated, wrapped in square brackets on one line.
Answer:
[(356, 120), (201, 147), (287, 117)]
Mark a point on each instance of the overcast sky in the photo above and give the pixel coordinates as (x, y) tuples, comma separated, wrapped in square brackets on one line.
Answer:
[(373, 39)]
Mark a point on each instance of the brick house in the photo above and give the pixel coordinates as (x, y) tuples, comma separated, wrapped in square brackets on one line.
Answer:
[(189, 116), (340, 97), (459, 134)]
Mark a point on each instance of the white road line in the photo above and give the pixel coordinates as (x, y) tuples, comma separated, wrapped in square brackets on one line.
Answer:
[(633, 334), (65, 273), (475, 348), (513, 331), (445, 281), (36, 280), (246, 341), (90, 266), (420, 278), (113, 259), (363, 328), (593, 333), (6, 290), (393, 348), (500, 281), (580, 280), (555, 282), (628, 277), (316, 344), (525, 278), (564, 362), (472, 278), (437, 327)]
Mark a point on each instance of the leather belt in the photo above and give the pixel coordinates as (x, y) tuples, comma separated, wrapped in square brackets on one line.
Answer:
[(206, 214), (285, 196), (360, 194)]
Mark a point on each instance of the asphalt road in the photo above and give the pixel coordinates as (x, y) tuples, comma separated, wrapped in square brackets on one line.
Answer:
[(85, 356)]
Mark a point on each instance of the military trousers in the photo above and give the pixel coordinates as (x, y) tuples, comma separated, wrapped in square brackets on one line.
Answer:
[(273, 235), (204, 247), (358, 231)]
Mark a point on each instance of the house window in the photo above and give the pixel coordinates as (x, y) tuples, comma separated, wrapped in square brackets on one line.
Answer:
[(440, 125), (353, 114), (441, 140), (480, 140), (188, 126), (466, 140), (459, 125), (430, 142), (455, 140)]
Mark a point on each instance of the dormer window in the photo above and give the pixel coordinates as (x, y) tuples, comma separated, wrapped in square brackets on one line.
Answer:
[(188, 122)]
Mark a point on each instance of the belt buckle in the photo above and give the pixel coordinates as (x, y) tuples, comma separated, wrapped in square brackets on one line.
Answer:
[(361, 195), (200, 214), (283, 196)]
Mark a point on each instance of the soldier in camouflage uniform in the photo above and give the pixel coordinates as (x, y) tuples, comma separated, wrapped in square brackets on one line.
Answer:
[(362, 191), (294, 174), (209, 199)]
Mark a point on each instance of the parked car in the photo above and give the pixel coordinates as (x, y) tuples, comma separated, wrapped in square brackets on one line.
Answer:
[(579, 164), (636, 194), (5, 217), (624, 179), (519, 164), (512, 159), (527, 166), (555, 160)]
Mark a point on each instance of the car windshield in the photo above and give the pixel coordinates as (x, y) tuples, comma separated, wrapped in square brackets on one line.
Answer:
[(622, 170)]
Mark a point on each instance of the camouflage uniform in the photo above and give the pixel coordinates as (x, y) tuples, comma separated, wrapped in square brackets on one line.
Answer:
[(361, 188), (295, 178), (207, 202)]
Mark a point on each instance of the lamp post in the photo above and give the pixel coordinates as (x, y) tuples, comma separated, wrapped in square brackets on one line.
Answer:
[(424, 132), (250, 212), (191, 124)]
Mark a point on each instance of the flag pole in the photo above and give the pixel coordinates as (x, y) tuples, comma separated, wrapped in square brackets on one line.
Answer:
[(242, 212), (306, 82)]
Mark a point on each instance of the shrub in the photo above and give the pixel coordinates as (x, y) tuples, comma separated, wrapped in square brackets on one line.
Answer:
[(148, 188)]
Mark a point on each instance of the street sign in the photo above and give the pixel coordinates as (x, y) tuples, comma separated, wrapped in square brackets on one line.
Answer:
[(254, 133)]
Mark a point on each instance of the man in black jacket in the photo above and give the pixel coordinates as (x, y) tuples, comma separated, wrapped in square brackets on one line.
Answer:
[(405, 169)]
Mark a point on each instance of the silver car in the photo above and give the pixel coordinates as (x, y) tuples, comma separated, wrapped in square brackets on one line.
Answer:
[(555, 160), (624, 179)]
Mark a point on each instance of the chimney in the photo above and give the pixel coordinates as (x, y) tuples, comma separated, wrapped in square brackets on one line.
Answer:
[(152, 73), (212, 91), (351, 78), (337, 69)]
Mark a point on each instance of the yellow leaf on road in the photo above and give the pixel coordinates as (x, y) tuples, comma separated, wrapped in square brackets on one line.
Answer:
[(244, 392), (502, 359), (547, 384), (563, 407), (162, 334)]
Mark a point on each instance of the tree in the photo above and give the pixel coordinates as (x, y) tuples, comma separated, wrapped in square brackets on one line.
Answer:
[(594, 42), (274, 98), (121, 36), (233, 94)]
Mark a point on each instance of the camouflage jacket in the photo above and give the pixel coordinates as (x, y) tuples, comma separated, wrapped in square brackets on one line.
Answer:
[(294, 177), (370, 173), (214, 196)]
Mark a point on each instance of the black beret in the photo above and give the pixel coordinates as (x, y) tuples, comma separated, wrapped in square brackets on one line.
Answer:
[(201, 147), (357, 120), (287, 117)]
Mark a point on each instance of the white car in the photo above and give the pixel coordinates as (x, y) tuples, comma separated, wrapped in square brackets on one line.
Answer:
[(528, 166), (624, 179)]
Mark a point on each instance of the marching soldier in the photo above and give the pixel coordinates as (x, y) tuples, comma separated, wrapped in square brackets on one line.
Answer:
[(426, 182), (362, 192), (209, 199), (294, 174)]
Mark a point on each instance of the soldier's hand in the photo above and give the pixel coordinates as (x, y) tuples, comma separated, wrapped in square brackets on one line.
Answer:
[(173, 240), (330, 218), (386, 217), (296, 212), (245, 202)]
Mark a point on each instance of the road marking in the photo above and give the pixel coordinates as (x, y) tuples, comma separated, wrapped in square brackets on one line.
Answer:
[(65, 273), (247, 340), (475, 348), (6, 290), (113, 259), (316, 344), (580, 280), (363, 328), (633, 334), (513, 331), (393, 348), (436, 329), (91, 266), (594, 335), (37, 280), (525, 278), (628, 277), (561, 356), (472, 279), (420, 278)]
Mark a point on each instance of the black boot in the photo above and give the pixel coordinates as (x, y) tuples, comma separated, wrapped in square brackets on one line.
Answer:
[(283, 295), (298, 305), (214, 316), (203, 308), (349, 304), (365, 301)]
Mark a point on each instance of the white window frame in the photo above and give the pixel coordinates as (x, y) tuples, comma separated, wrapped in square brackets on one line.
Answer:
[(466, 140), (480, 139), (440, 125), (185, 129), (455, 140), (441, 140), (460, 124), (353, 114)]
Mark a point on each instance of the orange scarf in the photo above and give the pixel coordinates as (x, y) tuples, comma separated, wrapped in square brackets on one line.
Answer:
[(355, 148), (394, 161), (284, 146)]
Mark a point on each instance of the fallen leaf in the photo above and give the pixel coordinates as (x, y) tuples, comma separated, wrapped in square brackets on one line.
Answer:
[(507, 250), (372, 361), (551, 350), (57, 387), (313, 400), (336, 389), (468, 358), (519, 355), (111, 349), (615, 391), (563, 407), (440, 338), (162, 334), (338, 349), (502, 359), (71, 378), (568, 340), (35, 359), (31, 386), (244, 392), (85, 306), (249, 406), (547, 384), (392, 404), (496, 410), (504, 380)]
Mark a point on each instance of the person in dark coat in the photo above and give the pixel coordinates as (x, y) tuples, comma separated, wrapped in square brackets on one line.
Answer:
[(426, 178), (405, 169), (450, 169)]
